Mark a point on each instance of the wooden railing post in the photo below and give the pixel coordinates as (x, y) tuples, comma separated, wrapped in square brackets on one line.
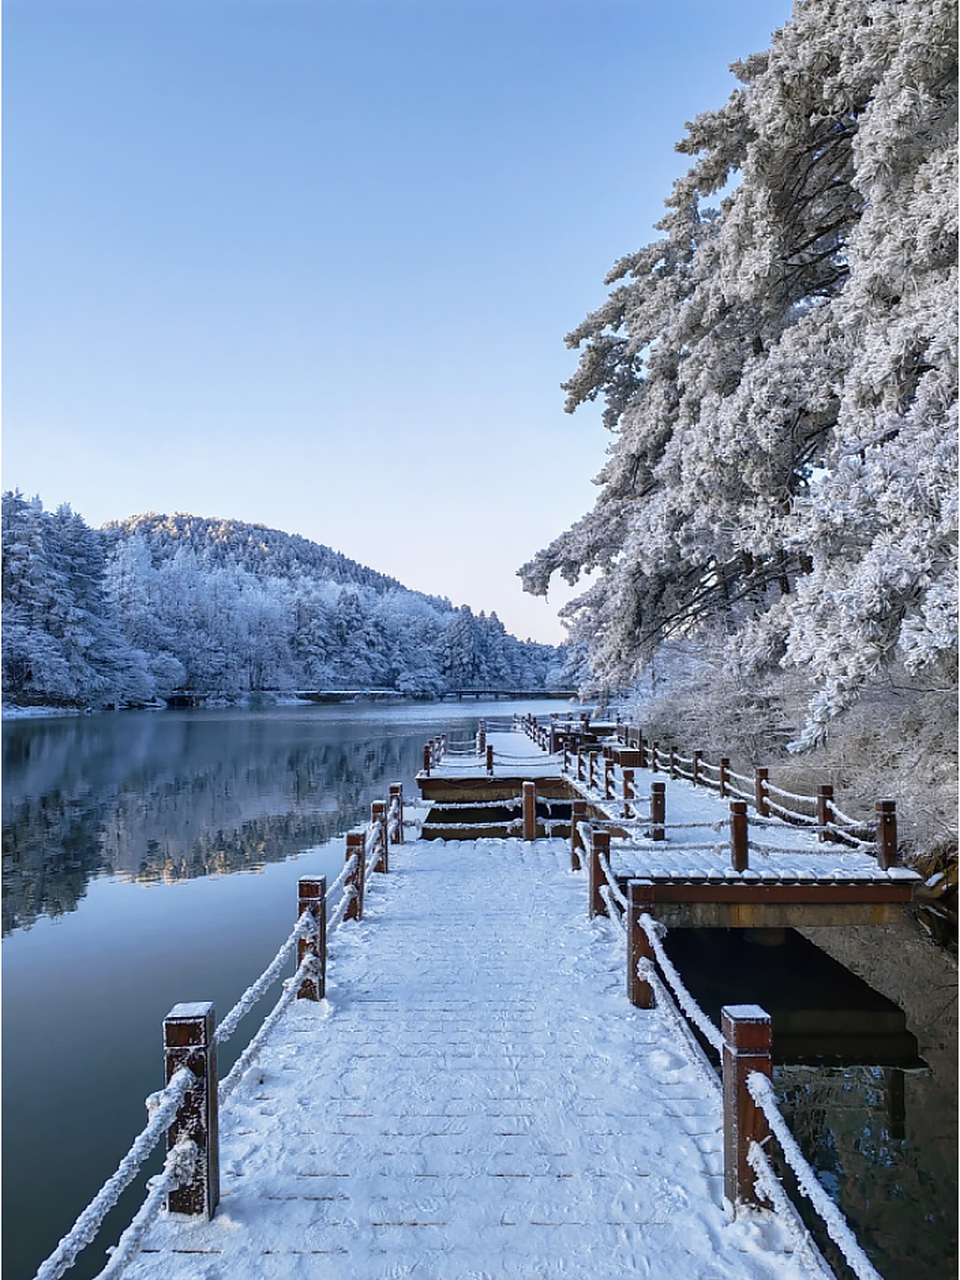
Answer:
[(747, 1047), (724, 777), (658, 810), (593, 770), (490, 759), (825, 811), (189, 1040), (578, 814), (608, 767), (887, 855), (654, 752), (739, 837), (581, 776), (642, 748), (378, 816), (481, 737), (356, 844), (760, 794), (396, 795), (697, 757), (640, 898), (628, 792), (673, 762), (529, 811), (599, 844), (427, 758), (312, 897)]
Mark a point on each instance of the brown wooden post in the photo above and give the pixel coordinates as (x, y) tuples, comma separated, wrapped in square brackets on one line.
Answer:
[(747, 1047), (724, 776), (427, 758), (628, 792), (887, 833), (697, 757), (599, 844), (378, 816), (640, 898), (189, 1040), (529, 811), (825, 811), (593, 769), (760, 793), (658, 810), (739, 837), (481, 737), (642, 748), (673, 762), (581, 776), (653, 757), (578, 814), (608, 767), (312, 897), (490, 759), (356, 844), (396, 794)]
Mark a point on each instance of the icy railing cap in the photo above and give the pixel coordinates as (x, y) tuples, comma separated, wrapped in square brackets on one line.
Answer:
[(198, 1009), (746, 1012)]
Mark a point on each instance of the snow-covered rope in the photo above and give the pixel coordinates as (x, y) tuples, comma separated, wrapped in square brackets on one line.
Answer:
[(687, 1003), (337, 918), (803, 818), (741, 777), (845, 834), (769, 1188), (750, 796), (514, 802), (845, 818), (612, 882), (177, 1170), (762, 1092), (607, 895), (163, 1107), (306, 926), (291, 987), (790, 795)]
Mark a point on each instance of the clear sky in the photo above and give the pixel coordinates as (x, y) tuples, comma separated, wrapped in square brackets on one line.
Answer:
[(310, 263)]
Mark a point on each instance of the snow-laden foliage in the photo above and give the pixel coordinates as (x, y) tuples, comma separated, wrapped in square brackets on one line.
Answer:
[(780, 374), (155, 604)]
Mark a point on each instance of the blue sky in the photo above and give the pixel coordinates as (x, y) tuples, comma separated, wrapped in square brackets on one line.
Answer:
[(310, 263)]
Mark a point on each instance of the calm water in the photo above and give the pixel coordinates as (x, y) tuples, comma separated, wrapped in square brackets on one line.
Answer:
[(151, 858)]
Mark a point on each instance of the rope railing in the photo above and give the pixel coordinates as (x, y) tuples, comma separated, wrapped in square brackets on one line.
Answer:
[(163, 1107), (183, 1170), (708, 1029), (762, 1093)]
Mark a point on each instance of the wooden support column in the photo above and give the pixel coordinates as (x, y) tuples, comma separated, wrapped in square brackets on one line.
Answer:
[(427, 758), (396, 795), (578, 814), (746, 1048), (599, 843), (490, 760), (312, 897), (739, 837), (640, 898), (356, 844), (608, 779), (658, 810), (760, 794), (529, 811), (189, 1040), (628, 792), (724, 776), (378, 816), (887, 855), (825, 811)]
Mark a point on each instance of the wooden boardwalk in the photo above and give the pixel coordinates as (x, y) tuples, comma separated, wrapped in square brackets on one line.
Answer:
[(476, 1098)]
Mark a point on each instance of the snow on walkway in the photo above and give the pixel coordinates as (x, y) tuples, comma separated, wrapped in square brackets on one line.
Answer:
[(477, 1099)]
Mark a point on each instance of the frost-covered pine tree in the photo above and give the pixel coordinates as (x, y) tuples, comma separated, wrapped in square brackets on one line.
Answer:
[(780, 374)]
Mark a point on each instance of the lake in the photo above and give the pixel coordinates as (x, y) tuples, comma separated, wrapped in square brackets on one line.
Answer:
[(152, 858)]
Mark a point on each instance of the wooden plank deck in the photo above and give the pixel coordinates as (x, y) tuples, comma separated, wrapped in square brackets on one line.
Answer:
[(477, 1098)]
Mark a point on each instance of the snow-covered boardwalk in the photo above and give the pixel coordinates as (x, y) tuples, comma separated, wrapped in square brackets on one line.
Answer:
[(476, 1098)]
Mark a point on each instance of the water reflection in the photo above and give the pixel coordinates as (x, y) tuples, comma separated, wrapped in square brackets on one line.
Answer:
[(173, 796)]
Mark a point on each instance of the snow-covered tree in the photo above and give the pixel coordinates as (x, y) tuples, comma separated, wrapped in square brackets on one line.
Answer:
[(780, 373)]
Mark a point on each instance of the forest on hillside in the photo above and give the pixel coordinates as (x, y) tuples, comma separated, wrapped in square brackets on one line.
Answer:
[(154, 604), (774, 544)]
